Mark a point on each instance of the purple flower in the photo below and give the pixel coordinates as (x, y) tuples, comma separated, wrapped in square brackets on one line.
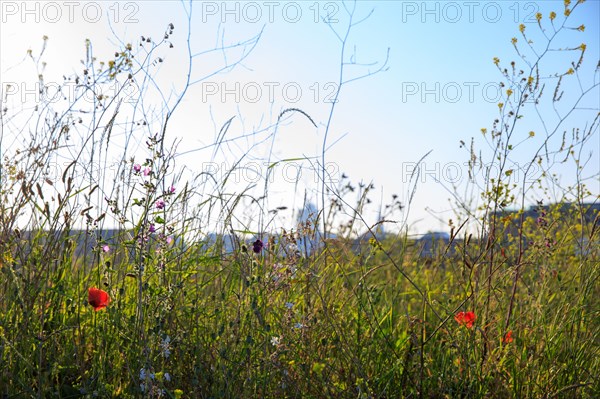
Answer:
[(137, 168), (172, 190), (105, 248), (169, 239), (257, 246), (152, 229), (160, 204)]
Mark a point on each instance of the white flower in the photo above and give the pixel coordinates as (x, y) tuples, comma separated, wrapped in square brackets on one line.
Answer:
[(165, 346), (275, 341)]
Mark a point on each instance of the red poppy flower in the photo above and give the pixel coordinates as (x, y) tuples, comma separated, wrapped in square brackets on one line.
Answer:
[(98, 298), (508, 337), (466, 318)]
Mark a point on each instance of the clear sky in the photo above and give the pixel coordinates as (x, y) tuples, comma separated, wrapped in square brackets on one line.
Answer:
[(439, 85)]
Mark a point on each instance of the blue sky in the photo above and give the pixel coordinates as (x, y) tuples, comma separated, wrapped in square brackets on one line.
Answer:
[(384, 123)]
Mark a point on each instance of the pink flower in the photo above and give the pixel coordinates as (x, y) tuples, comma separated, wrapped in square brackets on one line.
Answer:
[(172, 190), (137, 168), (105, 248), (160, 204), (147, 171), (169, 239)]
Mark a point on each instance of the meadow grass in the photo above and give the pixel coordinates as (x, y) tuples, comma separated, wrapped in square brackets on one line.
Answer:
[(191, 320)]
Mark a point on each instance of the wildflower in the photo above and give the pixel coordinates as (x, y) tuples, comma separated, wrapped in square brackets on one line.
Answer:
[(275, 341), (289, 305), (105, 248), (257, 246), (466, 318), (152, 229), (160, 204), (137, 168), (172, 190), (98, 298), (147, 171), (292, 247), (165, 347), (508, 337), (169, 239)]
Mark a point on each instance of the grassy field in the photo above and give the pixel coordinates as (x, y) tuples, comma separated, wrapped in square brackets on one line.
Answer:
[(325, 307), (186, 319)]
